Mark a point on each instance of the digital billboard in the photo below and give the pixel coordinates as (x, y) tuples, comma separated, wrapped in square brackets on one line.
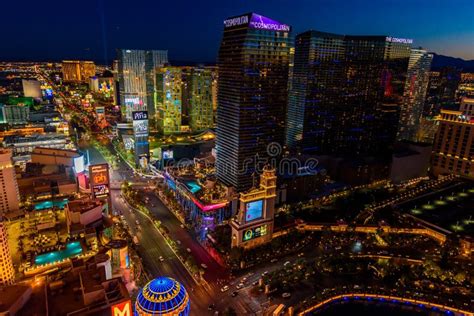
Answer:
[(99, 180), (99, 174), (253, 210), (255, 232), (140, 123), (168, 154), (101, 190), (140, 128)]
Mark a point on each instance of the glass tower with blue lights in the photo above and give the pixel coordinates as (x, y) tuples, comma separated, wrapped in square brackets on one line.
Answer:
[(345, 94), (253, 65)]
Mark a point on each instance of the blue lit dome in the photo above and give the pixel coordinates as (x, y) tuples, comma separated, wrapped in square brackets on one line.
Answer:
[(162, 296)]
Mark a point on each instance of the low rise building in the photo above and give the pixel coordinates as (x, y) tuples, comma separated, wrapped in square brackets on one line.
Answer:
[(84, 213), (24, 145), (13, 298), (86, 290), (453, 149), (15, 114)]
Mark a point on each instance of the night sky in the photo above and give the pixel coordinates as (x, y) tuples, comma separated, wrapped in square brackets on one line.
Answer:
[(191, 30)]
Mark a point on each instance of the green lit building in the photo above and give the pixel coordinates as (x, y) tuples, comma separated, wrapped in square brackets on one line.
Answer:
[(203, 98), (168, 105)]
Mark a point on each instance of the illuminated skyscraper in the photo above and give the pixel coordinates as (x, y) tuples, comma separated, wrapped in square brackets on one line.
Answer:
[(203, 96), (31, 88), (77, 71), (7, 272), (136, 73), (345, 94), (253, 66), (415, 93), (169, 86), (137, 76), (9, 194)]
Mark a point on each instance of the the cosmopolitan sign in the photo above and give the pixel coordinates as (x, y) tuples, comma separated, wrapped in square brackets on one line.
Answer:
[(399, 40), (257, 21), (240, 20), (260, 22)]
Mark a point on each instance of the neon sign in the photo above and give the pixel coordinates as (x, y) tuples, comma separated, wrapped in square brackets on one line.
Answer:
[(258, 22), (122, 309), (210, 207), (236, 21), (399, 40), (261, 22), (255, 232)]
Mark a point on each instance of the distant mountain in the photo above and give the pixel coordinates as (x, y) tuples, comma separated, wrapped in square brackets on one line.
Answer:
[(440, 61)]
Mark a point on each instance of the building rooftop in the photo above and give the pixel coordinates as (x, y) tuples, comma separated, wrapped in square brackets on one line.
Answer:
[(10, 294), (83, 205), (17, 139), (201, 182), (87, 292)]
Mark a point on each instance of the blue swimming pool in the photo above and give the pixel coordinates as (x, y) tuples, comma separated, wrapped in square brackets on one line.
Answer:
[(72, 249), (193, 186), (49, 204)]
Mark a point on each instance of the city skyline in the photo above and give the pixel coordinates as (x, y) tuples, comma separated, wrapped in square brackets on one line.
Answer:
[(101, 27)]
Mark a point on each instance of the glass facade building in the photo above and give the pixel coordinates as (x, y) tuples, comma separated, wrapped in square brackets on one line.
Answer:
[(203, 98), (137, 86), (345, 94), (169, 86), (136, 73), (414, 95), (253, 67)]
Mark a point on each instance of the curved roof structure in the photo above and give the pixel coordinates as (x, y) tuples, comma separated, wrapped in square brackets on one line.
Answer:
[(163, 296)]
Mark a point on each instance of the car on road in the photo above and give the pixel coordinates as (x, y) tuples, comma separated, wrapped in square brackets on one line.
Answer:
[(137, 222), (286, 263), (188, 250), (234, 294), (255, 283), (182, 226), (135, 240), (162, 259), (203, 265), (239, 286), (265, 273), (286, 295), (224, 288), (273, 260)]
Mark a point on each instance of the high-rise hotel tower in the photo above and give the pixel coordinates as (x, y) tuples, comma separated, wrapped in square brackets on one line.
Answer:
[(414, 96), (253, 64), (137, 85), (345, 94)]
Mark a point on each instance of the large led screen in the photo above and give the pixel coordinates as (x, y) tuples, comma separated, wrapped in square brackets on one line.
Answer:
[(254, 210)]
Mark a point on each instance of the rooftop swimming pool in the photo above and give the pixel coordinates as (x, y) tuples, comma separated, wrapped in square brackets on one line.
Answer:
[(49, 204), (193, 186), (73, 249)]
